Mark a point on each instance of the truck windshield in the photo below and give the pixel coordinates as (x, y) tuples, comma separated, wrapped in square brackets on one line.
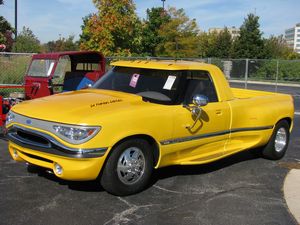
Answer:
[(159, 86), (41, 68)]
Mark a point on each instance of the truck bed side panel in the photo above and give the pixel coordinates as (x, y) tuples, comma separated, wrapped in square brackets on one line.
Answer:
[(254, 115)]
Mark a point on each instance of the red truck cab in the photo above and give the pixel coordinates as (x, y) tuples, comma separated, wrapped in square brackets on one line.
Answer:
[(51, 73)]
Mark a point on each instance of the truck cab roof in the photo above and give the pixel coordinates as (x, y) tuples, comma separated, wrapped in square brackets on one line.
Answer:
[(165, 64), (90, 56)]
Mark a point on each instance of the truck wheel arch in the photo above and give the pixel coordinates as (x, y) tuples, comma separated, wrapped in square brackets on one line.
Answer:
[(152, 142), (288, 120), (278, 143)]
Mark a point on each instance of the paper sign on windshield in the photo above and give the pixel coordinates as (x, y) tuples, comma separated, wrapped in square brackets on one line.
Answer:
[(169, 83), (134, 80)]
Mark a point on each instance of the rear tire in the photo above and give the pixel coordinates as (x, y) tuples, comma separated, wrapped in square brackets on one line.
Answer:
[(278, 143), (128, 168)]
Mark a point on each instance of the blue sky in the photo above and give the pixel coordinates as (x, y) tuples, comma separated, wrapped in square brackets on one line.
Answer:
[(48, 19)]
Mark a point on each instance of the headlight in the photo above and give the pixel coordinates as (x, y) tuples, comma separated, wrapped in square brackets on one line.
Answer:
[(9, 117), (75, 134)]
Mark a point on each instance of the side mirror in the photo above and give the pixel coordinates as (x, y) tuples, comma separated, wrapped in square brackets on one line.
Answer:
[(200, 100)]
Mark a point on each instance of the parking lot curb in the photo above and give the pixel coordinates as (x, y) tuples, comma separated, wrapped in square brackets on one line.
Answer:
[(291, 189)]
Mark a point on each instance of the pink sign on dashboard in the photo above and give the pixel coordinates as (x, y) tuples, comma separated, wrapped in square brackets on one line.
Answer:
[(134, 80)]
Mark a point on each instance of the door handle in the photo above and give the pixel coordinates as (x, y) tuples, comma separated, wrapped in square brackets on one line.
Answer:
[(219, 112)]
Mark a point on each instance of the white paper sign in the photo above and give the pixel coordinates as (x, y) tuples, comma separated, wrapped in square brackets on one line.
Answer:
[(50, 69), (169, 83), (134, 80)]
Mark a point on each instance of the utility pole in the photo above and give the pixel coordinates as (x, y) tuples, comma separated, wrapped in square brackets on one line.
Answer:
[(16, 19), (163, 1)]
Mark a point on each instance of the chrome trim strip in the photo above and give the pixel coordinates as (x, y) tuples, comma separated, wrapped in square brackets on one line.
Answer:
[(53, 147), (192, 138), (251, 129), (201, 136)]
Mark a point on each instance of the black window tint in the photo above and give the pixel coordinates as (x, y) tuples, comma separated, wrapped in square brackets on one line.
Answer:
[(161, 86), (199, 82)]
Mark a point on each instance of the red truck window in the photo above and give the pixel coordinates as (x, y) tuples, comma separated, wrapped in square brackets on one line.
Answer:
[(87, 66), (63, 66), (41, 68)]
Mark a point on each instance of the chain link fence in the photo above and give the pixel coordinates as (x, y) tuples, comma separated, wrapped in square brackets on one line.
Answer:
[(13, 67), (243, 72), (260, 71)]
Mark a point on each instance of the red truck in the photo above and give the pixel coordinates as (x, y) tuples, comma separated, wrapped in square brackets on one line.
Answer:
[(51, 73)]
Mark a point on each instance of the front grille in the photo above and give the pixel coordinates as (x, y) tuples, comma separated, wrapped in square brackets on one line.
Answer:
[(27, 137), (32, 137)]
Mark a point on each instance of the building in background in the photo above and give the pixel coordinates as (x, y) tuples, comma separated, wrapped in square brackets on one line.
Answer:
[(292, 37), (235, 32)]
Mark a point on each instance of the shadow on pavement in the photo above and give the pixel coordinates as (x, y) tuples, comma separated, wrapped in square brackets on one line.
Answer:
[(171, 171), (86, 186), (163, 173)]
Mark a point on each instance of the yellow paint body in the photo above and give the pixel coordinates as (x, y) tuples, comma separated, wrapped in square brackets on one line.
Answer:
[(225, 127)]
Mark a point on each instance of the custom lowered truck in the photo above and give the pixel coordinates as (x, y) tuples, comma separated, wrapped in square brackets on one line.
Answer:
[(143, 115)]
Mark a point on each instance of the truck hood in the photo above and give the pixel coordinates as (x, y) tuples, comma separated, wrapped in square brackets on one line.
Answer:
[(76, 106)]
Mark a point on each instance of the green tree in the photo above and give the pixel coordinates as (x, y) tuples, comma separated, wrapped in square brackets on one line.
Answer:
[(62, 44), (208, 44), (85, 36), (277, 48), (6, 33), (250, 43), (156, 17), (179, 35), (214, 44), (223, 44), (26, 42), (4, 25), (114, 30), (203, 44), (288, 70)]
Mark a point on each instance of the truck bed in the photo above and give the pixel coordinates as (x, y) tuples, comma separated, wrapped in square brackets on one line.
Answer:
[(246, 93)]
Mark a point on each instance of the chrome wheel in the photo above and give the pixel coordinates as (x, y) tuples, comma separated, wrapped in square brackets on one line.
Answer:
[(131, 165), (280, 139)]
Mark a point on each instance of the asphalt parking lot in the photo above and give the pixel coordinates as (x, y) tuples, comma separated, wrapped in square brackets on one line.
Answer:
[(242, 189)]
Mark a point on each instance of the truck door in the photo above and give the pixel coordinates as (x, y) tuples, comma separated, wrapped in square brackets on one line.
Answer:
[(37, 78), (206, 140)]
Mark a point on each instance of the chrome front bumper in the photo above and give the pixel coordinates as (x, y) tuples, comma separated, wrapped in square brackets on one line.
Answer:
[(42, 142)]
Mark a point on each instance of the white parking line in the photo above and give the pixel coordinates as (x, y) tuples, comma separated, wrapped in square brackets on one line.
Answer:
[(297, 113)]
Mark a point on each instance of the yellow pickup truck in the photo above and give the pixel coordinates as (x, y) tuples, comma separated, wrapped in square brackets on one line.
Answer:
[(143, 115)]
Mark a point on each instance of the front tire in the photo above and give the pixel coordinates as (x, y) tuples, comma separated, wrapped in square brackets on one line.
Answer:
[(128, 168), (278, 143)]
